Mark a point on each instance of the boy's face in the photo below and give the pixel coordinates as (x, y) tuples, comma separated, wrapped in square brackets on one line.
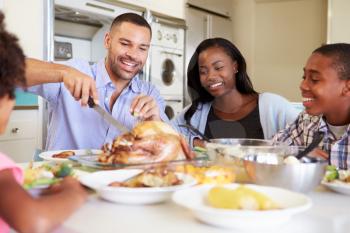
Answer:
[(322, 89), (6, 105), (127, 46)]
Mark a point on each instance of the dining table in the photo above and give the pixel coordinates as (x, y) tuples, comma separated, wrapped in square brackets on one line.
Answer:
[(329, 213)]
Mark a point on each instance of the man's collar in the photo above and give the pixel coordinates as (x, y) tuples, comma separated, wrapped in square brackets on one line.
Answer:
[(103, 79)]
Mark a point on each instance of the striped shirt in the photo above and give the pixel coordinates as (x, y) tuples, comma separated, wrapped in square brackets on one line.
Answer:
[(301, 133)]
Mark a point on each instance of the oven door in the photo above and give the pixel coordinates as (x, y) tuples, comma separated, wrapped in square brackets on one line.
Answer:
[(166, 70)]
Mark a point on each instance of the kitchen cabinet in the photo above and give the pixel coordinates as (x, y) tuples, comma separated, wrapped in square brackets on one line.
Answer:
[(20, 138)]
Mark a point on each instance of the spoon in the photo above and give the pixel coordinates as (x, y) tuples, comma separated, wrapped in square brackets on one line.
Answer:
[(315, 141)]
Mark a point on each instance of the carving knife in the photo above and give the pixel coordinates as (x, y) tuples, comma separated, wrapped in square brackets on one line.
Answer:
[(107, 117)]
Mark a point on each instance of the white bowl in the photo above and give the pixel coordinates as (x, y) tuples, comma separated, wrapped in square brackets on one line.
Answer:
[(244, 220), (99, 181)]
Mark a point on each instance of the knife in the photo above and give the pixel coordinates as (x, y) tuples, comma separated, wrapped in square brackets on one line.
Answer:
[(106, 116)]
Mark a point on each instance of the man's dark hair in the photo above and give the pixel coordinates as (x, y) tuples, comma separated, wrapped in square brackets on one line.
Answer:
[(131, 18), (12, 63), (340, 55)]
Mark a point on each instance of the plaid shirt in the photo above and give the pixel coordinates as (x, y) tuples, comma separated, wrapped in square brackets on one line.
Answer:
[(302, 130)]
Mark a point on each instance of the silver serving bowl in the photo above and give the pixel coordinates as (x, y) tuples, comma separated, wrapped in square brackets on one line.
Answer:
[(231, 151), (271, 170)]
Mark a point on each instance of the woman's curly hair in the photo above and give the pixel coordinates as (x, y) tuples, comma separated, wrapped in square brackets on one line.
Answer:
[(12, 62)]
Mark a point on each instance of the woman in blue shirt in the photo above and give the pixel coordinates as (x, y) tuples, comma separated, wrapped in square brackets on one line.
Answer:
[(224, 102)]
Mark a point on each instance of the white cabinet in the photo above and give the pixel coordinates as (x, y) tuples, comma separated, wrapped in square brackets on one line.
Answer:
[(20, 138)]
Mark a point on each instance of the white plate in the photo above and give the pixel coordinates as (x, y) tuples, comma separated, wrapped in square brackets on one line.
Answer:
[(338, 186), (99, 181), (47, 155), (244, 220)]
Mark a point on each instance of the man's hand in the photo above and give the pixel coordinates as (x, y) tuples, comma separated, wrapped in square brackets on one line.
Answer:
[(145, 107), (80, 85)]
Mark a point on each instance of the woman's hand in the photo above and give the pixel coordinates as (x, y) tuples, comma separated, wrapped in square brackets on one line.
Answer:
[(198, 142)]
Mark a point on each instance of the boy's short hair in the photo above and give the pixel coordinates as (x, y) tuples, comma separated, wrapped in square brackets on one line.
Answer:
[(131, 18), (340, 54), (12, 63)]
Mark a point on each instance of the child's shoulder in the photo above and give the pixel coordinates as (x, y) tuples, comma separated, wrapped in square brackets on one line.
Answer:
[(5, 161)]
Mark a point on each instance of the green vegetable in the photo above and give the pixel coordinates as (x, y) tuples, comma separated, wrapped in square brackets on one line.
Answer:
[(331, 173), (331, 168), (199, 149), (64, 170), (41, 182)]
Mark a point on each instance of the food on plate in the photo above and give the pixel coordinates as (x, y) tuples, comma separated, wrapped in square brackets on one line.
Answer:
[(63, 154), (333, 174), (241, 198), (149, 141), (208, 174), (46, 174), (158, 177)]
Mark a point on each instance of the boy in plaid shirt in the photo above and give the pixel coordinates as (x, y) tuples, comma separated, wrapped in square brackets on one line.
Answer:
[(325, 89)]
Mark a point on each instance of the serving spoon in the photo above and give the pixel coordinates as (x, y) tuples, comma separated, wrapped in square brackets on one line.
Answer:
[(318, 136), (193, 129)]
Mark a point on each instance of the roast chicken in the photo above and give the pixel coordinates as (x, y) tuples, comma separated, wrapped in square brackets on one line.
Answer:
[(149, 141)]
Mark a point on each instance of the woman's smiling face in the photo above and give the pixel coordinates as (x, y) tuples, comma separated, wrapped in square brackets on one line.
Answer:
[(217, 71)]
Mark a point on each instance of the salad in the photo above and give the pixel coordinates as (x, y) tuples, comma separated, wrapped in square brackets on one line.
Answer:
[(334, 174), (46, 174)]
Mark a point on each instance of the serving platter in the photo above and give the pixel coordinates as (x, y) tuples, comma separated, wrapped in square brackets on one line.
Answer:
[(92, 162)]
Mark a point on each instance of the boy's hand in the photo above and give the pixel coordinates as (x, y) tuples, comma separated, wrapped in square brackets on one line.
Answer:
[(320, 153)]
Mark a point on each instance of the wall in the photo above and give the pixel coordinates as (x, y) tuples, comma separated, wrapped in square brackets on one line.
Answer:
[(243, 30), (26, 24), (25, 19), (175, 8), (338, 21), (277, 37)]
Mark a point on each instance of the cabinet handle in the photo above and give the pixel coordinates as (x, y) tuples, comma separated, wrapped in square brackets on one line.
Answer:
[(15, 130)]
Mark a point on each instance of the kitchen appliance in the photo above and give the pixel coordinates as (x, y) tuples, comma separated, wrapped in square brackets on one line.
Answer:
[(166, 62), (81, 25)]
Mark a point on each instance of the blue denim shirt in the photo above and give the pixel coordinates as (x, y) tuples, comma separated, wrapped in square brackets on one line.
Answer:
[(71, 126)]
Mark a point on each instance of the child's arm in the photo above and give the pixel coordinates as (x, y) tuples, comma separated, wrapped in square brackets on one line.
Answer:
[(26, 214)]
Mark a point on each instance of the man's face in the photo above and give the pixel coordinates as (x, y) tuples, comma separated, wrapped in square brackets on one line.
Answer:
[(127, 46), (322, 89)]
